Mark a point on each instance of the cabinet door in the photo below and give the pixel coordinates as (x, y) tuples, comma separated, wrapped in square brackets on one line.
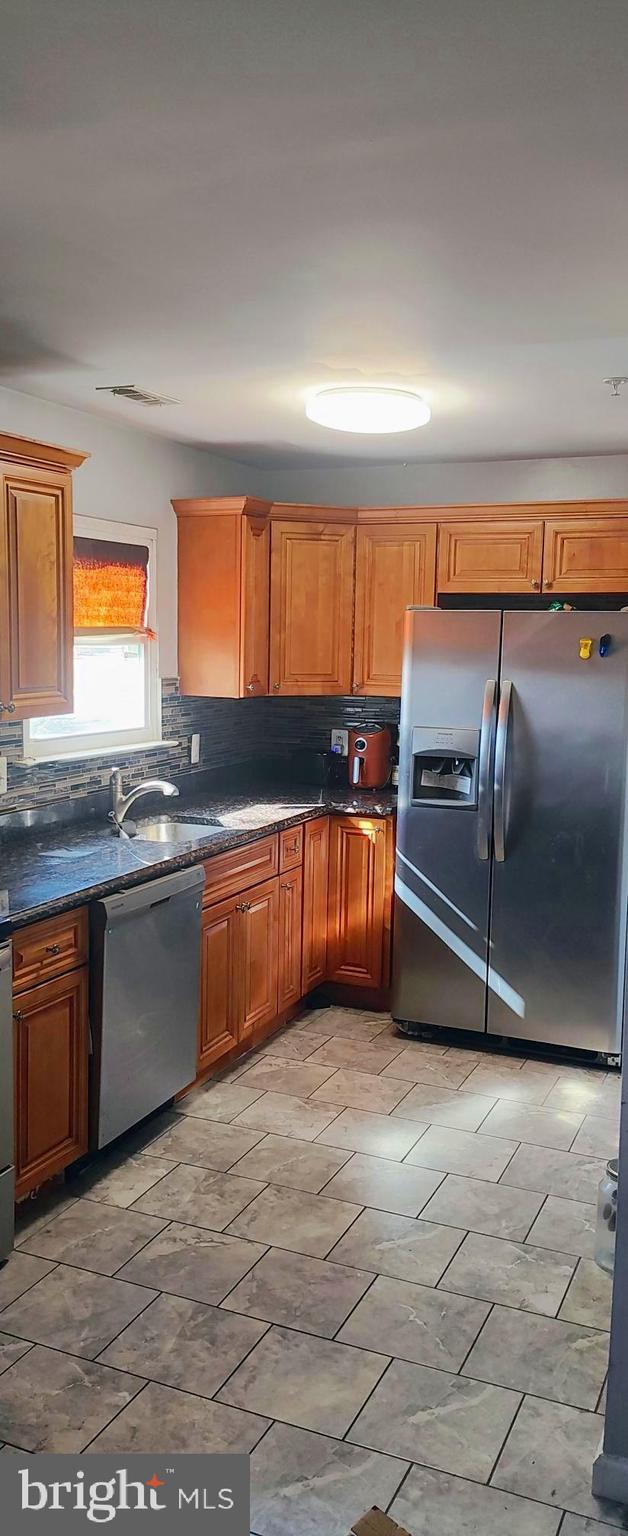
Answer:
[(315, 877), (357, 900), (51, 1040), (218, 1027), (290, 948), (36, 631), (395, 566), (502, 555), (257, 956), (255, 606), (311, 607), (586, 554)]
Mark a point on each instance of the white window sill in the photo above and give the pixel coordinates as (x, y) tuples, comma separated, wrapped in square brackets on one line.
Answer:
[(95, 752)]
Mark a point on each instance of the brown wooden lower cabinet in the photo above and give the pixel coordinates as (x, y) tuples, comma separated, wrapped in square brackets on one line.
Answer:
[(358, 901), (315, 876), (51, 1037), (257, 956), (218, 1030), (290, 939)]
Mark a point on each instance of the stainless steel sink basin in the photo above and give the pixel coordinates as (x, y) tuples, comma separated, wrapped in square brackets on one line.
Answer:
[(160, 829)]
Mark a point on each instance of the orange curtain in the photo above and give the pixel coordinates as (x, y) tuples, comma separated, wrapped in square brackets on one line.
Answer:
[(110, 585)]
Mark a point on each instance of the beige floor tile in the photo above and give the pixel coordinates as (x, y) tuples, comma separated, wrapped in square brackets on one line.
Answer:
[(583, 1097), (298, 1164), (416, 1066), (193, 1262), (549, 1454), (542, 1356), (162, 1421), (588, 1300), (437, 1419), (399, 1246), (377, 1135), (294, 1045), (384, 1185), (300, 1292), (91, 1235), (73, 1310), (206, 1144), (272, 1074), (525, 1122), (473, 1156), (444, 1106), (567, 1225), (597, 1138), (495, 1269), (556, 1173), (478, 1206), (361, 1090), (200, 1197), (289, 1218), (218, 1101), (414, 1322), (184, 1344), (437, 1504), (503, 1083), (20, 1272), (52, 1402), (310, 1485), (281, 1115), (307, 1381), (121, 1178), (11, 1350), (364, 1056)]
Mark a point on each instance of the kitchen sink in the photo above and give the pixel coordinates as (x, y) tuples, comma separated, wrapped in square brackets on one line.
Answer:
[(160, 829)]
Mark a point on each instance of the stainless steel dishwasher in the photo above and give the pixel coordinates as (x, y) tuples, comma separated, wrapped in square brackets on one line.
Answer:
[(146, 959), (7, 1171)]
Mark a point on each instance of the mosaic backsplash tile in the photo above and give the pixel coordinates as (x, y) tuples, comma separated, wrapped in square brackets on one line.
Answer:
[(231, 731)]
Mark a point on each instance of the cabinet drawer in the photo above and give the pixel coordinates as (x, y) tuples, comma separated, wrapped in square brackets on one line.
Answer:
[(240, 867), (290, 848), (50, 948)]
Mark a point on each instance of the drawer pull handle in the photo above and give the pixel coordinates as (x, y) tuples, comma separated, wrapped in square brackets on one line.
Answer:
[(243, 906), (53, 949), (18, 1015)]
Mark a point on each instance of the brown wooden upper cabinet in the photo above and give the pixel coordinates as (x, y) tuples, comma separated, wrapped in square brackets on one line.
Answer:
[(491, 555), (36, 626), (223, 563), (311, 605), (395, 567), (587, 554)]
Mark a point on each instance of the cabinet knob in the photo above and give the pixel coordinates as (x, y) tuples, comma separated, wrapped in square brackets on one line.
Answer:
[(276, 687), (250, 687), (355, 687), (8, 709), (243, 906), (536, 586), (18, 1015), (548, 585), (53, 949)]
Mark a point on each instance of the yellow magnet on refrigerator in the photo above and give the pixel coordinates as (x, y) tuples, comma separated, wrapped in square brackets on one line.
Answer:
[(586, 647)]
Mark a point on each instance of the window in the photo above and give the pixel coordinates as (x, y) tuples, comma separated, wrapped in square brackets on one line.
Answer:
[(117, 696)]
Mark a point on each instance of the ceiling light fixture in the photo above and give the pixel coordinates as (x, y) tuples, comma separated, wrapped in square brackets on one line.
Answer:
[(368, 408)]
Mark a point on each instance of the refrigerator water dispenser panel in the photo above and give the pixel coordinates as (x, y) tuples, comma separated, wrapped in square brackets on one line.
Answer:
[(444, 766)]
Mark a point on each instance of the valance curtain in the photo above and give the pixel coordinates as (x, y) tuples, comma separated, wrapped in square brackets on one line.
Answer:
[(110, 586)]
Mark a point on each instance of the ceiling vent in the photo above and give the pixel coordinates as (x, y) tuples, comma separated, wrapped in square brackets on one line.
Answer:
[(138, 396)]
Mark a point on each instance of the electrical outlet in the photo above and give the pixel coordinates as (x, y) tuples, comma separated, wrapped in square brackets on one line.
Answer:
[(3, 775), (340, 742), (195, 747)]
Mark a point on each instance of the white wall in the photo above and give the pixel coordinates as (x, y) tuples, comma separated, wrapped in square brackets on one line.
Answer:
[(130, 477), (416, 484)]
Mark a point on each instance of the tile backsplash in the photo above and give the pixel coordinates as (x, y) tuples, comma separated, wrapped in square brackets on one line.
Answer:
[(231, 731)]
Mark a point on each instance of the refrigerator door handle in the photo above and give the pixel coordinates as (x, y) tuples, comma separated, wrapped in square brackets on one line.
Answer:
[(501, 745), (484, 768)]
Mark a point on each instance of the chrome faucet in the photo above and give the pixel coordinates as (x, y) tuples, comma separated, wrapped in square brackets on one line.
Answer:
[(121, 803)]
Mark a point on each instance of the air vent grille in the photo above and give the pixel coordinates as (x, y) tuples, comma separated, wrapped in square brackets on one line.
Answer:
[(138, 396)]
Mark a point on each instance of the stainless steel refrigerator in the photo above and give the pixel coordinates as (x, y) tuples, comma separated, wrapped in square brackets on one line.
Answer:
[(511, 885)]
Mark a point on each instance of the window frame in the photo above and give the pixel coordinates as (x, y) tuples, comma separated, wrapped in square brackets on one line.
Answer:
[(109, 743)]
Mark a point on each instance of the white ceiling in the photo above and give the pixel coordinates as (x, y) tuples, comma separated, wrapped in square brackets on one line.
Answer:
[(234, 201)]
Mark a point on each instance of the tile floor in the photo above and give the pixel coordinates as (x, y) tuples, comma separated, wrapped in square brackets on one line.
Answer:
[(365, 1261)]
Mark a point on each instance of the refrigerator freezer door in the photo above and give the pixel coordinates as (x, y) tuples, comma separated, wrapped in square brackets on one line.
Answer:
[(559, 884), (442, 880)]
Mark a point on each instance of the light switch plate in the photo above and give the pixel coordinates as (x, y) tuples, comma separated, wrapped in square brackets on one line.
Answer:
[(3, 775), (340, 742), (195, 747)]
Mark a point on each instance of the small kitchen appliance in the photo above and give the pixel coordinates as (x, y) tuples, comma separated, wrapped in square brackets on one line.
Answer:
[(370, 756)]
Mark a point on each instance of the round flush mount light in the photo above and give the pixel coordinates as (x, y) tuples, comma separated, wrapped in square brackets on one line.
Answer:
[(368, 408)]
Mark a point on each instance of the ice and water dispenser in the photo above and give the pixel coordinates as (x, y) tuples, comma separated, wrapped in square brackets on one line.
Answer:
[(444, 766)]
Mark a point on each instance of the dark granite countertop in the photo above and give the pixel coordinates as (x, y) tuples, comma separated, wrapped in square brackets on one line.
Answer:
[(50, 868)]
